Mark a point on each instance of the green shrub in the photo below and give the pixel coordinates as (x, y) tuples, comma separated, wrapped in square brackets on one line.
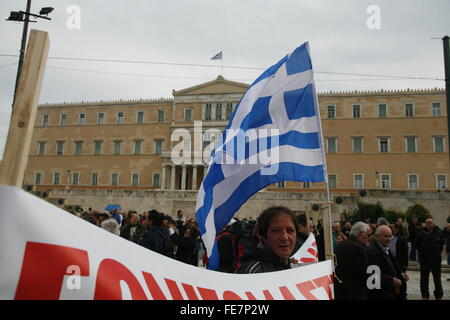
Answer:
[(367, 210), (392, 215), (418, 211)]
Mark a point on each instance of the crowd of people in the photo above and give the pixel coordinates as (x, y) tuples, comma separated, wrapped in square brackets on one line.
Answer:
[(360, 247), (267, 244)]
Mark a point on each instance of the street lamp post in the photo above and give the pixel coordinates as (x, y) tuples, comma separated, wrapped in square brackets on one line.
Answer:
[(21, 16)]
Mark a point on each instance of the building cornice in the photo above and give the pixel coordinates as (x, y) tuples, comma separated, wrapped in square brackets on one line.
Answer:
[(191, 98), (106, 103), (381, 92)]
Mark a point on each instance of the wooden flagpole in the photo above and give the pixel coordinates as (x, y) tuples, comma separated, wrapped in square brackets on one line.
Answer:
[(23, 114)]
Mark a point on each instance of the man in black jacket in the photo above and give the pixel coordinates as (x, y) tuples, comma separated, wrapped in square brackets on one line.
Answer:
[(430, 244), (351, 266), (392, 282)]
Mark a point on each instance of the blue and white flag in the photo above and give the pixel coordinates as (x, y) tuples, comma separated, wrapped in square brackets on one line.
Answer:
[(273, 135), (217, 56)]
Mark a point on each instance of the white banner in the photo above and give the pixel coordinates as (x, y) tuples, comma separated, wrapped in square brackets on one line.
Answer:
[(47, 253)]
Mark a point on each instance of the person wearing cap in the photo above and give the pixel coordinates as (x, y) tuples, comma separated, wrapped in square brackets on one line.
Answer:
[(225, 246)]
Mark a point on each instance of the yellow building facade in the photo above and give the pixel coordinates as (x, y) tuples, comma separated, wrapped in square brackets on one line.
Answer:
[(393, 140)]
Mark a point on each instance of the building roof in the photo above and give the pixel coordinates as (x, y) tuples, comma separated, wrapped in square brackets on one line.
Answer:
[(217, 86)]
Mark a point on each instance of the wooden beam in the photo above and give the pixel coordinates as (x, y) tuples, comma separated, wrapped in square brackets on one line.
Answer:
[(24, 111)]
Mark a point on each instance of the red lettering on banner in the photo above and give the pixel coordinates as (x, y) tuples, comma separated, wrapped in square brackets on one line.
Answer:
[(306, 260), (107, 287), (324, 282), (43, 270), (287, 295), (190, 292), (153, 287), (268, 295), (174, 290), (305, 288), (312, 251), (208, 294), (250, 295), (230, 295)]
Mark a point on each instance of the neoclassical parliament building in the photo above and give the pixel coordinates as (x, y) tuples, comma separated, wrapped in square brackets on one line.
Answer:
[(388, 141)]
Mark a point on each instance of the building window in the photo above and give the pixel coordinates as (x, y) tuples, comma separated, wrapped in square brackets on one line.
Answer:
[(59, 148), (97, 147), (137, 146), (411, 144), (384, 144), (409, 110), (82, 118), (156, 180), (135, 179), (382, 110), (358, 181), (208, 111), (281, 184), (114, 179), (37, 178), (78, 147), (218, 111), (100, 118), (357, 144), (229, 111), (75, 178), (140, 117), (331, 145), (412, 181), (56, 178), (117, 144), (385, 181), (41, 148), (160, 116), (120, 117), (331, 112), (438, 144), (158, 146), (441, 181), (436, 109), (356, 111), (63, 119), (306, 185), (94, 179), (45, 120), (188, 115), (332, 181)]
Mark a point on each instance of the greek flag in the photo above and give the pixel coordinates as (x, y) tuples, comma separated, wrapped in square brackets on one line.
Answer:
[(274, 135), (217, 56)]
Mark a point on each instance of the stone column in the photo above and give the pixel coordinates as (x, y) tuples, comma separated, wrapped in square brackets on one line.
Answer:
[(172, 178), (194, 177), (163, 177), (183, 177)]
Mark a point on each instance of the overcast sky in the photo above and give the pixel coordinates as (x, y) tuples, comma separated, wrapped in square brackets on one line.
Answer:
[(251, 33)]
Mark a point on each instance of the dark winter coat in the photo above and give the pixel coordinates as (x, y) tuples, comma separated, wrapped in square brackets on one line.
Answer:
[(186, 250), (429, 246), (259, 260), (350, 271), (157, 238), (389, 269)]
